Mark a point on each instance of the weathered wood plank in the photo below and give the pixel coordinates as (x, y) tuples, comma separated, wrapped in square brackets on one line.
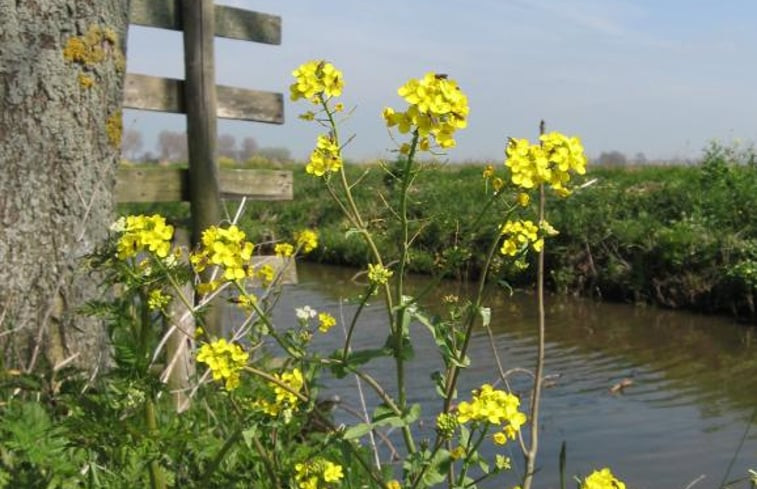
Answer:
[(151, 185), (160, 184), (230, 22), (167, 95), (256, 184)]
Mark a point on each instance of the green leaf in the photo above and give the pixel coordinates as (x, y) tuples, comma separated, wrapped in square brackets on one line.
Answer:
[(357, 431), (385, 416), (354, 359), (249, 434), (437, 471)]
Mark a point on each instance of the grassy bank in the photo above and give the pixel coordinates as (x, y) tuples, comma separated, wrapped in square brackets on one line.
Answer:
[(682, 237)]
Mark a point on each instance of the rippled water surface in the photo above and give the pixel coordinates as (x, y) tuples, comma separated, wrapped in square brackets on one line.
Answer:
[(693, 391)]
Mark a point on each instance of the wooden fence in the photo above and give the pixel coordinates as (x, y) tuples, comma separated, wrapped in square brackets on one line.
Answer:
[(203, 184)]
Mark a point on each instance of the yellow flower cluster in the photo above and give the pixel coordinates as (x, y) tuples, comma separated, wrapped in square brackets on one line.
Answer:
[(247, 302), (315, 80), (226, 248), (549, 162), (307, 240), (493, 406), (378, 274), (602, 479), (224, 360), (325, 158), (157, 299), (140, 233), (519, 235), (285, 400), (437, 109), (265, 274), (325, 322), (317, 474), (283, 250)]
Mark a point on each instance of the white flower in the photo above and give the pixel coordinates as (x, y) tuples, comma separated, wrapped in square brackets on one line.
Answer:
[(305, 313), (119, 226)]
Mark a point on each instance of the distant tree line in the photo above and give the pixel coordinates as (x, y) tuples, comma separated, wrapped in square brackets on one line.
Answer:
[(171, 147)]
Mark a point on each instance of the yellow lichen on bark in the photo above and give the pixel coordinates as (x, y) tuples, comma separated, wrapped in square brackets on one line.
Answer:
[(86, 81), (97, 45), (114, 127)]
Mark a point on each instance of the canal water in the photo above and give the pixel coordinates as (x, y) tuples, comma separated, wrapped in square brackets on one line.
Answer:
[(692, 392)]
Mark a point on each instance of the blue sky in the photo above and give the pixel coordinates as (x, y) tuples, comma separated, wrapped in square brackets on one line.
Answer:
[(662, 77)]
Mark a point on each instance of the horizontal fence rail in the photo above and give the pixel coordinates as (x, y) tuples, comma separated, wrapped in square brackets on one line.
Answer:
[(172, 184), (230, 22), (167, 95)]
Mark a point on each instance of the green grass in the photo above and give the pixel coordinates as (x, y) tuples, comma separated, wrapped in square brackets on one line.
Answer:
[(683, 237)]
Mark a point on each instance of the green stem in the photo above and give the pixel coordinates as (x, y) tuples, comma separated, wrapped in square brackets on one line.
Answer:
[(230, 441), (469, 451), (454, 370), (145, 328), (419, 476), (157, 479), (353, 323), (398, 332), (396, 325), (536, 394)]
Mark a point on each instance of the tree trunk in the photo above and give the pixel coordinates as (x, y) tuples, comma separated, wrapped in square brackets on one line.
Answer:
[(62, 64)]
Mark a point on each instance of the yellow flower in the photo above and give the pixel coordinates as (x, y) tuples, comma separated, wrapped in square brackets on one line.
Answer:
[(316, 80), (497, 184), (378, 274), (488, 172), (550, 162), (489, 405), (225, 361), (207, 288), (310, 474), (265, 274), (307, 240), (143, 233), (294, 380), (523, 199), (548, 229), (325, 322), (226, 248), (325, 158), (437, 108), (457, 453), (393, 484), (157, 299), (332, 472), (500, 438), (284, 250), (602, 479), (520, 234), (246, 302), (502, 462)]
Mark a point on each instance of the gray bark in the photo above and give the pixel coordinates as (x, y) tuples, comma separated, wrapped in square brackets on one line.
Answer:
[(59, 151)]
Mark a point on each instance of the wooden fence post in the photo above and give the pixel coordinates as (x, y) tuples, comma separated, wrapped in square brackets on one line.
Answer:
[(198, 18)]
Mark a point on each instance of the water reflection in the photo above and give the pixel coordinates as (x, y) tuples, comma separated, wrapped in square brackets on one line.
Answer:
[(693, 379)]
